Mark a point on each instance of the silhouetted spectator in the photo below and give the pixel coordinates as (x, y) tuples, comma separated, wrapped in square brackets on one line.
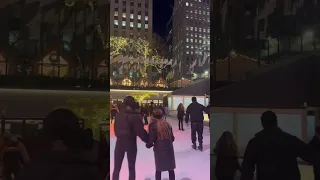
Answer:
[(62, 154), (315, 145), (12, 158), (274, 153), (227, 162), (161, 139), (91, 146), (104, 158)]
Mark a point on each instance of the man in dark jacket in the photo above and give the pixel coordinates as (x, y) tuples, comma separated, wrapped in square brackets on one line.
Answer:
[(315, 145), (127, 127), (274, 153), (195, 114)]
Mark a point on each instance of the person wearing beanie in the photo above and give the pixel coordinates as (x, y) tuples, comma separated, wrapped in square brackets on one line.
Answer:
[(128, 125), (161, 139)]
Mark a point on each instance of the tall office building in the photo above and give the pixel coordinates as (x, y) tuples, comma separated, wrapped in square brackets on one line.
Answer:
[(191, 34), (131, 18)]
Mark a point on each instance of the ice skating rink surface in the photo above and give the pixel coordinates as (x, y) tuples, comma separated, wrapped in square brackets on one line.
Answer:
[(190, 164)]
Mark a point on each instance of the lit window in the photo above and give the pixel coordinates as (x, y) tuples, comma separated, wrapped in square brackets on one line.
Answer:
[(196, 29), (146, 26), (116, 22), (195, 35), (124, 15), (139, 25), (116, 13), (196, 40), (131, 16), (196, 12), (187, 46), (187, 52), (191, 40), (200, 40), (204, 30), (187, 4), (187, 39), (123, 23), (146, 18), (199, 29), (187, 16), (191, 28), (131, 24), (191, 46), (187, 28), (139, 17), (191, 4)]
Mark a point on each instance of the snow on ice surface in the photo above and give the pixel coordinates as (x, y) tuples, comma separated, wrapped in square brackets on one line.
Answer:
[(190, 164)]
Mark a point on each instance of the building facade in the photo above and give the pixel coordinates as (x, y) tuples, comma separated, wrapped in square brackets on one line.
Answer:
[(69, 39), (269, 30), (191, 35), (131, 18)]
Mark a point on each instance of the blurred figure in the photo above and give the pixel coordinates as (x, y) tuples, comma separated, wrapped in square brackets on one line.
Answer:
[(145, 114), (166, 112), (274, 153), (227, 162), (161, 139), (113, 112), (315, 145), (104, 160), (12, 158), (127, 127), (195, 114), (180, 115), (151, 107), (62, 149)]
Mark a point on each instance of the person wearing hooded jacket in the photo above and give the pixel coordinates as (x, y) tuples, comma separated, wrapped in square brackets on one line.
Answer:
[(127, 127), (274, 153)]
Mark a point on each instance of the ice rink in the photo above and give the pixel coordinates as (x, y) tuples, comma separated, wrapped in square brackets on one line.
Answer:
[(191, 164)]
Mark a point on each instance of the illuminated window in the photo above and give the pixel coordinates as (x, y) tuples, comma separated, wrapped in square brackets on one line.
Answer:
[(131, 24), (123, 23), (124, 15), (126, 82), (161, 83), (146, 26), (146, 18), (139, 25), (187, 52), (191, 40), (187, 39), (116, 22), (143, 83), (131, 16), (187, 4), (139, 17), (116, 13)]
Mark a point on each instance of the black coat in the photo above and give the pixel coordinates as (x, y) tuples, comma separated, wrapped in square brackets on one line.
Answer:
[(180, 114), (275, 154), (195, 111), (163, 150), (315, 145), (226, 167)]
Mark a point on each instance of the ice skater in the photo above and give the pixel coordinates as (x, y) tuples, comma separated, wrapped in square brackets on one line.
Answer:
[(194, 113), (127, 127), (180, 115), (161, 139)]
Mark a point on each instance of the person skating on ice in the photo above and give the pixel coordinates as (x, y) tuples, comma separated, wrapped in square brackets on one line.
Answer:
[(127, 127), (194, 113), (180, 115), (161, 139)]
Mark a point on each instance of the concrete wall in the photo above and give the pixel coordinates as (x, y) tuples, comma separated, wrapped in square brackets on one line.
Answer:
[(245, 123), (38, 103)]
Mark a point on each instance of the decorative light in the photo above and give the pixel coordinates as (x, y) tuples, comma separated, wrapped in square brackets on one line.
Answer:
[(69, 3)]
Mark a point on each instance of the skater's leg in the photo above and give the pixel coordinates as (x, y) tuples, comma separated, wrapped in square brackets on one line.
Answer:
[(158, 175), (172, 175), (200, 134), (118, 158), (193, 134), (132, 155)]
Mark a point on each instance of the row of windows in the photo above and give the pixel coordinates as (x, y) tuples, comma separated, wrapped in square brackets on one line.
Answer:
[(124, 15), (198, 29), (124, 3), (124, 23), (198, 35), (131, 11), (197, 47), (198, 41)]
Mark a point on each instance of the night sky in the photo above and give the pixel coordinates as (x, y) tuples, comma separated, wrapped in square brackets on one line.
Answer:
[(162, 11)]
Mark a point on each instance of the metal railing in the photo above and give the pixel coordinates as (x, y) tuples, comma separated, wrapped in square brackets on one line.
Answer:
[(23, 126)]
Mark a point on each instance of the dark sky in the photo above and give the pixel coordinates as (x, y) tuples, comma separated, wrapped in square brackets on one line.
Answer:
[(161, 14)]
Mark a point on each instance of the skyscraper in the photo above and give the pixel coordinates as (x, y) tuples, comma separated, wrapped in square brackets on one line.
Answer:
[(191, 34), (131, 18)]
